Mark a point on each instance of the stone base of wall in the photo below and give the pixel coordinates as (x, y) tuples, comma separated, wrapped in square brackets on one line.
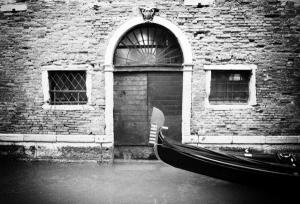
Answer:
[(56, 151), (254, 148), (100, 147), (259, 144), (57, 147), (134, 152), (105, 155)]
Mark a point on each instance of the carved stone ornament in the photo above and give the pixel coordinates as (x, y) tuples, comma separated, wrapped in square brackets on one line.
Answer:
[(148, 13)]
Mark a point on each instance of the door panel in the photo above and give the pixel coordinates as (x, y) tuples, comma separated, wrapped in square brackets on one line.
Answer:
[(135, 94), (130, 109), (165, 93)]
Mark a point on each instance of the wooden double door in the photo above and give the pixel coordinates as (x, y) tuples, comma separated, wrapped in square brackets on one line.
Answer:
[(135, 94)]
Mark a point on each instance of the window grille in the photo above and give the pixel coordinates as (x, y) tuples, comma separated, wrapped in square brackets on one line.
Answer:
[(148, 44), (229, 87), (67, 87)]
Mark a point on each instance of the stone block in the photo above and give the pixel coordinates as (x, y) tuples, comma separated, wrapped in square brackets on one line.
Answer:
[(81, 152), (197, 2), (47, 150), (13, 7), (39, 138), (193, 139), (248, 139), (11, 137), (76, 138), (103, 139), (215, 139), (275, 139), (292, 139)]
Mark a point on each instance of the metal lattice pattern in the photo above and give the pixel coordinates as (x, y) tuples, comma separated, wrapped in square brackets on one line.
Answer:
[(229, 87), (67, 87), (149, 44)]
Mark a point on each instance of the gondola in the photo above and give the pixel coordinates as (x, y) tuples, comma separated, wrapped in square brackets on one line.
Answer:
[(263, 169)]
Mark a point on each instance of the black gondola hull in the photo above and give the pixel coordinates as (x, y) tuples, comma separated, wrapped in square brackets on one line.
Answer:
[(220, 165), (221, 171)]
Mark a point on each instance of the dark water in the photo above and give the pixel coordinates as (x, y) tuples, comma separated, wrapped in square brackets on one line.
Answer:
[(124, 182)]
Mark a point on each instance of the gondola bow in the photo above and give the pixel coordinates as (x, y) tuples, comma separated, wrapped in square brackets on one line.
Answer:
[(258, 169)]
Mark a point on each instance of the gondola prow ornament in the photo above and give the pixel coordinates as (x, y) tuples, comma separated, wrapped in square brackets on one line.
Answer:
[(148, 13), (157, 122)]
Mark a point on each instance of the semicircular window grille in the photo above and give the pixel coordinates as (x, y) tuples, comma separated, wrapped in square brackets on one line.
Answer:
[(148, 45)]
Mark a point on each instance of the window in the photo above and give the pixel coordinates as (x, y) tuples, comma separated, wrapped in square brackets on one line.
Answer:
[(148, 45), (67, 87), (230, 86)]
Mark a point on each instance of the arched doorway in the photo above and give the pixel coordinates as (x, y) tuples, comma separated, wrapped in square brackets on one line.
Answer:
[(148, 73), (110, 72)]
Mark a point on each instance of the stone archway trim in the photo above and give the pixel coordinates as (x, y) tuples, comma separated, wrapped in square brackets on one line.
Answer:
[(187, 73), (183, 41)]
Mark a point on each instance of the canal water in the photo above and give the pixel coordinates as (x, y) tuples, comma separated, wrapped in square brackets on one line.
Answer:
[(124, 182)]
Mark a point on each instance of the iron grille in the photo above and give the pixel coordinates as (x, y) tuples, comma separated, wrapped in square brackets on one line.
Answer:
[(67, 87), (148, 44), (229, 87)]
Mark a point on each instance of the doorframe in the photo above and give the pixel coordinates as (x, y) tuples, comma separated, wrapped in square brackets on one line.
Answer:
[(187, 73)]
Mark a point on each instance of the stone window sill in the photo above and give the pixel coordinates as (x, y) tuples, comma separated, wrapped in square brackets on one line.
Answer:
[(228, 107), (67, 107)]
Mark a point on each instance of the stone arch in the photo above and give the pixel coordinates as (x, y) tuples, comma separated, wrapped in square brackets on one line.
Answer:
[(183, 41), (187, 72)]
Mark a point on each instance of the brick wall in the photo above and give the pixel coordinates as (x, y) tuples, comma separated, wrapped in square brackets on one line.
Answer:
[(49, 33), (60, 32), (265, 33)]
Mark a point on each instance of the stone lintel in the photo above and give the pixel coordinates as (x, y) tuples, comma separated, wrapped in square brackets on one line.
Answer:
[(13, 7), (197, 2)]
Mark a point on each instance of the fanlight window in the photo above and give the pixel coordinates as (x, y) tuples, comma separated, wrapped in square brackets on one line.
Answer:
[(148, 45)]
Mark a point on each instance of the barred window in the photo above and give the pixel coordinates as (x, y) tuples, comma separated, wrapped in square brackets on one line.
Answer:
[(229, 87), (67, 87)]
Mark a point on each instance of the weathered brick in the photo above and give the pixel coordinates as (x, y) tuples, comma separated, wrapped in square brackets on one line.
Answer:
[(265, 33)]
